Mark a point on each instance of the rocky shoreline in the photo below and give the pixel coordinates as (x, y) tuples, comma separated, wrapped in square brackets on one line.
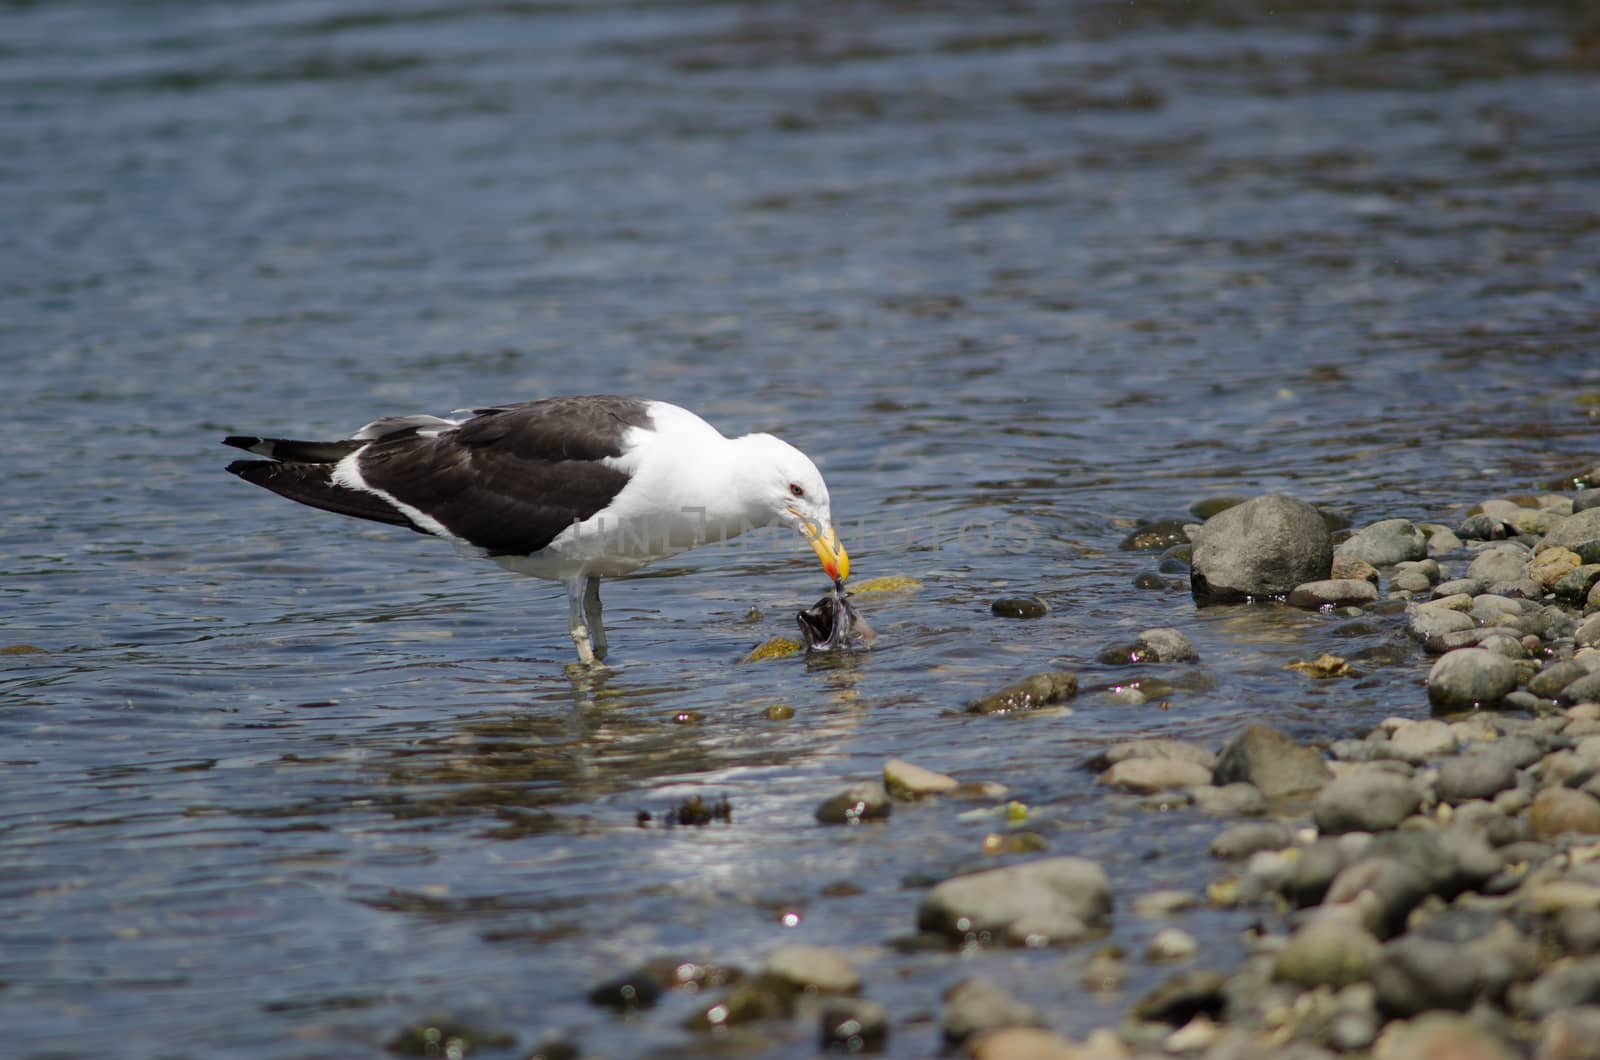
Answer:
[(1429, 890)]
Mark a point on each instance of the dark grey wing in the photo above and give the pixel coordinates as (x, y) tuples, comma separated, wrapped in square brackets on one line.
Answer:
[(512, 478)]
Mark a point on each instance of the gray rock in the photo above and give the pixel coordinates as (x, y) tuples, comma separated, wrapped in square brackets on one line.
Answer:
[(1242, 840), (1272, 762), (1585, 689), (1167, 645), (1367, 800), (1565, 986), (1417, 974), (1032, 692), (1147, 775), (1025, 606), (1229, 800), (1263, 547), (1588, 634), (1575, 584), (1585, 499), (1579, 532), (1426, 623), (1385, 543), (827, 971), (1549, 682), (1332, 949), (1440, 1036), (1410, 581), (1443, 541), (1559, 811), (1481, 528), (1502, 563), (1056, 891), (1573, 1034), (1381, 890), (1154, 747), (1477, 775), (1181, 998), (1333, 592), (975, 1005), (1418, 741), (853, 1025), (1468, 587), (1468, 679), (906, 780), (867, 801)]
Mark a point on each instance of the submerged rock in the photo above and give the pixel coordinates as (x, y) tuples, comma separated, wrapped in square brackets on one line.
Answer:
[(1036, 690), (1027, 606), (1263, 547), (1059, 896), (975, 1005), (861, 802)]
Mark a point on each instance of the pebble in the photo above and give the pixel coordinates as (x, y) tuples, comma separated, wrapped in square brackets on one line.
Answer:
[(1366, 801), (638, 989), (1386, 542), (868, 801), (1147, 775), (1585, 689), (1184, 996), (1155, 747), (907, 781), (1229, 800), (1477, 775), (1263, 547), (1021, 1043), (1443, 541), (1439, 1036), (1271, 761), (1163, 644), (1155, 904), (1552, 566), (1171, 944), (1469, 678), (1332, 949), (1056, 897), (1350, 567), (1243, 840), (1502, 563), (1577, 583), (1549, 682), (853, 1025), (1557, 811), (1564, 986), (1381, 890), (1418, 741), (1028, 606), (1426, 623), (1579, 533), (1333, 592), (1588, 634), (818, 968), (1036, 690), (1573, 1034), (976, 1005)]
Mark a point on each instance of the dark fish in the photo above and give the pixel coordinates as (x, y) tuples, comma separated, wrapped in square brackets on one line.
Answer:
[(832, 624)]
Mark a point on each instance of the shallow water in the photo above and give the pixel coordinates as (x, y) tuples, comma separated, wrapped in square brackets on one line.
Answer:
[(279, 784)]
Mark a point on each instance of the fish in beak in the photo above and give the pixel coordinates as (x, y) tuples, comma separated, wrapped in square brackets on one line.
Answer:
[(832, 624)]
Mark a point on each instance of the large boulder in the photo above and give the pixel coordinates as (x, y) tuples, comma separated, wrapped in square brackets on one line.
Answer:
[(1263, 547)]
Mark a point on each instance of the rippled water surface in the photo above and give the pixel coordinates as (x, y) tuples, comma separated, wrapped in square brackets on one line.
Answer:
[(1019, 276)]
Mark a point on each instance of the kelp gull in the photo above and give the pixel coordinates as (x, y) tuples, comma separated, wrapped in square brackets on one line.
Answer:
[(573, 489)]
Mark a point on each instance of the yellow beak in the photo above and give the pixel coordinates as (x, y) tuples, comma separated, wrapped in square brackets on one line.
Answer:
[(835, 560)]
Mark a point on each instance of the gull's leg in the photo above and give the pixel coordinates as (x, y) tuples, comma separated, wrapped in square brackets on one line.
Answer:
[(575, 621), (591, 614)]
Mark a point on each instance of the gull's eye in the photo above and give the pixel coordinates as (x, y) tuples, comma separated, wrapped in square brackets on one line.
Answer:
[(796, 490)]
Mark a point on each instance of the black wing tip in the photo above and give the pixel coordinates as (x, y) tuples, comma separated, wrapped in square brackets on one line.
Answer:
[(244, 468), (242, 441)]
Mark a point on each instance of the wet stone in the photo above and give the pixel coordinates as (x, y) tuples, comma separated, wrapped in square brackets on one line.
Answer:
[(1418, 741), (1036, 690), (628, 992), (445, 1037), (907, 781), (1426, 624), (1166, 645), (1579, 533), (867, 801), (1271, 761), (1181, 998), (1549, 682), (1229, 800), (1572, 1034), (855, 1025), (1468, 679), (1333, 592), (1146, 775), (1383, 890), (1505, 563), (1468, 587), (1154, 747), (1481, 528), (1263, 547), (758, 998), (1020, 607), (1171, 944), (818, 968), (1552, 566), (1575, 585), (1243, 840), (1058, 895), (1153, 536), (1386, 543), (976, 1005), (1350, 568), (1564, 987), (1443, 541), (1155, 904), (1585, 689)]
